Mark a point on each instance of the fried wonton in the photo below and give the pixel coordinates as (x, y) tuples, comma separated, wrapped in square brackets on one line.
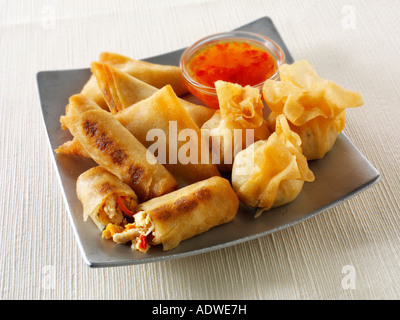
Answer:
[(271, 173), (238, 123), (314, 107)]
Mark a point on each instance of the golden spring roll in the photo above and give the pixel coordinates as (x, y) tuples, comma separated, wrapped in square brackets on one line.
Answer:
[(80, 104), (105, 198), (154, 74), (115, 90), (114, 148), (73, 147), (188, 158), (91, 90), (140, 119), (121, 90), (181, 214)]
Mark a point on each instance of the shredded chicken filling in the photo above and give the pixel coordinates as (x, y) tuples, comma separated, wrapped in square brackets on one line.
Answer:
[(138, 233), (111, 211)]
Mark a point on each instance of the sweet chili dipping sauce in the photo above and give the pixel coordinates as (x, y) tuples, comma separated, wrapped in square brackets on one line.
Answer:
[(240, 57), (237, 62)]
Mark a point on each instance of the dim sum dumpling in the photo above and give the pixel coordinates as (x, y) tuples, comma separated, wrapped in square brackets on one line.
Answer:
[(314, 107), (237, 124), (271, 173)]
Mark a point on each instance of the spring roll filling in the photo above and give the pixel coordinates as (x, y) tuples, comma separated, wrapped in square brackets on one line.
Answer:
[(139, 233), (117, 210)]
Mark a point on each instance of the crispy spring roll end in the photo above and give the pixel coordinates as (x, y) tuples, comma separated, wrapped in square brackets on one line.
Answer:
[(73, 147), (105, 198), (180, 215)]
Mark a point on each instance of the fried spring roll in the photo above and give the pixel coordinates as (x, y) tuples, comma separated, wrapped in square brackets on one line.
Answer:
[(139, 119), (164, 112), (114, 148), (105, 198), (181, 214), (73, 147), (155, 75), (121, 90), (91, 90)]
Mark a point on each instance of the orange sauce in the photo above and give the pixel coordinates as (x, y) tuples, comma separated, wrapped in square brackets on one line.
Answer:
[(236, 62)]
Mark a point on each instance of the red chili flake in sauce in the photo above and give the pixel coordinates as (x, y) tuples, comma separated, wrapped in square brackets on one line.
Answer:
[(236, 62)]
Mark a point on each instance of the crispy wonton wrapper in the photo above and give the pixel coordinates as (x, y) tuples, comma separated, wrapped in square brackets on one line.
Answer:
[(181, 214), (155, 75), (272, 172), (314, 107), (122, 90), (100, 193), (114, 148), (240, 111)]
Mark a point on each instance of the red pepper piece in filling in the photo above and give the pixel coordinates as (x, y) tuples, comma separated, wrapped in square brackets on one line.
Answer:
[(121, 204), (142, 242)]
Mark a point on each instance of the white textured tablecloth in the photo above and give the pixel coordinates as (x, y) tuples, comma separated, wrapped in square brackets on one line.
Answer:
[(348, 252)]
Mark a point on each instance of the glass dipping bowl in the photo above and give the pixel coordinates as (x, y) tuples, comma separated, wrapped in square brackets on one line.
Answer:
[(207, 94)]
